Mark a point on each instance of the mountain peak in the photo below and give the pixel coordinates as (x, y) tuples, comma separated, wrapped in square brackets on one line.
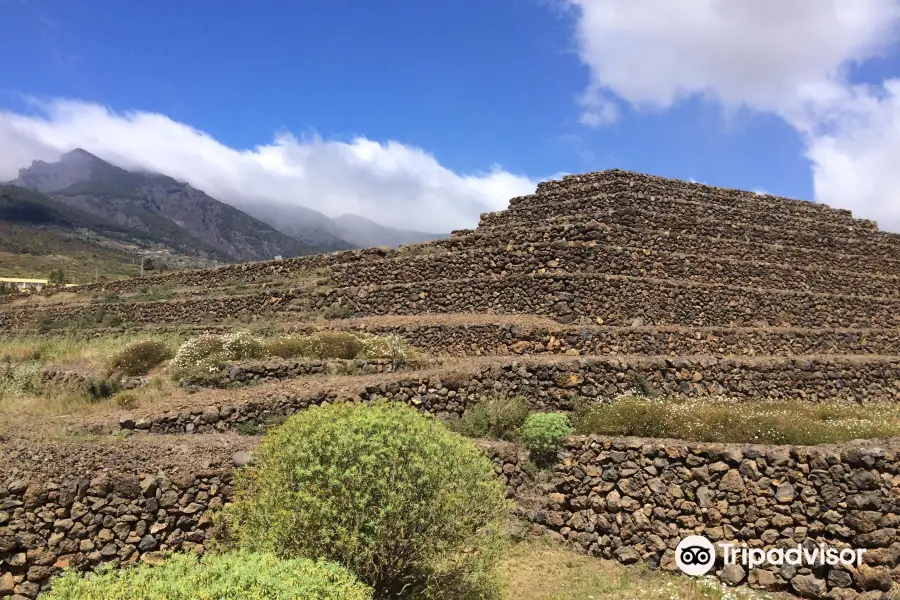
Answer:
[(78, 155)]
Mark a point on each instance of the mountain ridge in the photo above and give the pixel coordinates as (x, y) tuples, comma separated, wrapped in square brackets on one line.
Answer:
[(174, 213)]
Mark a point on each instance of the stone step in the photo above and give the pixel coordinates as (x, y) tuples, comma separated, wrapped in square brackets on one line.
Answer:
[(250, 307), (747, 202), (618, 300), (251, 273), (680, 240), (591, 257), (256, 372), (547, 383), (749, 232), (576, 185), (691, 211), (502, 339)]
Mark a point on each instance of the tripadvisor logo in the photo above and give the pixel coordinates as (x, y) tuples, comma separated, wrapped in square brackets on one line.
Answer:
[(696, 555)]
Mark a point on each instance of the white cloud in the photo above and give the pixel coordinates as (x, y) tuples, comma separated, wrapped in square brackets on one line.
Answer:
[(855, 165), (790, 58), (392, 183)]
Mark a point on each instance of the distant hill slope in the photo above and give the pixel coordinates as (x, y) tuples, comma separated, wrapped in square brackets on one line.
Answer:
[(39, 234), (169, 212), (301, 223), (366, 233)]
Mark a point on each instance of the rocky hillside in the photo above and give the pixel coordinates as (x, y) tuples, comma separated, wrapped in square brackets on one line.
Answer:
[(172, 213)]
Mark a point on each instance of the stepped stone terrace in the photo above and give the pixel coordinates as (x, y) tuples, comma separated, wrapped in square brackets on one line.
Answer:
[(572, 295)]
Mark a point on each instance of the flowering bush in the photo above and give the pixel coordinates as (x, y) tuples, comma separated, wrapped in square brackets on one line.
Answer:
[(385, 346), (326, 344), (198, 353), (242, 344)]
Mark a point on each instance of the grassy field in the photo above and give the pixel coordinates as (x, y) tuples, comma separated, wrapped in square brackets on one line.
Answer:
[(537, 570), (729, 420)]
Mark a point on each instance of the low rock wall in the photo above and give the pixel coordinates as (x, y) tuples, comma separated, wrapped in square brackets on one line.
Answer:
[(850, 242), (273, 369), (590, 257), (619, 180), (686, 210), (117, 503), (635, 499), (619, 300), (626, 499), (698, 238), (560, 385), (251, 307), (506, 340)]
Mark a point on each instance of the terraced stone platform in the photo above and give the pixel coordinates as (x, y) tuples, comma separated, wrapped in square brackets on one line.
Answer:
[(572, 294)]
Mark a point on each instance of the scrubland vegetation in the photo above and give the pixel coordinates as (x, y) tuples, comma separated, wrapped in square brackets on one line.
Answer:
[(723, 419), (354, 501), (97, 364), (216, 576)]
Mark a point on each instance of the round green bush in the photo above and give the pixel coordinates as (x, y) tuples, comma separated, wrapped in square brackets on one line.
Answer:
[(409, 506), (140, 357), (215, 577), (544, 433)]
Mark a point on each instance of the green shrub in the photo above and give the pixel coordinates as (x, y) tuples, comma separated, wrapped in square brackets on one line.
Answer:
[(140, 357), (391, 494), (227, 576), (127, 400), (100, 388), (286, 346), (20, 379), (323, 345), (241, 345), (500, 417), (337, 311), (544, 433)]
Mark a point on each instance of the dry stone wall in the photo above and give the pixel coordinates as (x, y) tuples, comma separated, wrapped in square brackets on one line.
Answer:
[(715, 241), (505, 339), (620, 300), (115, 503), (620, 498), (192, 311), (634, 499), (619, 180), (589, 257), (670, 205), (560, 385), (699, 225), (274, 369)]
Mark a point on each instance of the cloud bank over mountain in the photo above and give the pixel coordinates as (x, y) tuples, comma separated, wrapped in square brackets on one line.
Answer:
[(389, 182)]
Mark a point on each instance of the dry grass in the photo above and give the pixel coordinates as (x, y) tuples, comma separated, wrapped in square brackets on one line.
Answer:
[(722, 419), (42, 300), (57, 400), (77, 352), (538, 570)]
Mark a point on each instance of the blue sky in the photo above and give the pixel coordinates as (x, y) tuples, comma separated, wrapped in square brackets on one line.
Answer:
[(474, 84)]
